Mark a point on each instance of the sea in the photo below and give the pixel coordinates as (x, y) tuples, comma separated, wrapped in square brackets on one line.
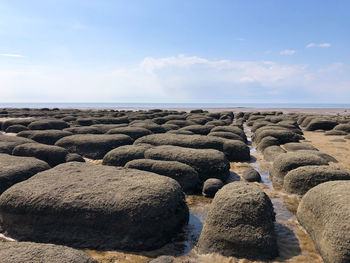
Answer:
[(141, 106)]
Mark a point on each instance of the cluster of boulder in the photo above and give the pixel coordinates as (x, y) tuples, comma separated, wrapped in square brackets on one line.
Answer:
[(324, 210), (135, 200)]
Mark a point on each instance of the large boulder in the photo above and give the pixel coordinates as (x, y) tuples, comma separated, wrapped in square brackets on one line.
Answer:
[(281, 134), (240, 223), (233, 129), (266, 142), (93, 146), (53, 155), (321, 124), (302, 179), (324, 212), (88, 206), (208, 163), (44, 136), (226, 135), (251, 175), (123, 154), (234, 150), (289, 161), (20, 252), (84, 130), (184, 174), (14, 169), (8, 123), (343, 127)]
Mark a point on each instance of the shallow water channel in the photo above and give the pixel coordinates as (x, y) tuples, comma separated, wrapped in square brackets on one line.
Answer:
[(295, 245)]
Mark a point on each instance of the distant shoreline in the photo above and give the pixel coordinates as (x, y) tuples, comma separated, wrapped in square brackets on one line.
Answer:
[(342, 109)]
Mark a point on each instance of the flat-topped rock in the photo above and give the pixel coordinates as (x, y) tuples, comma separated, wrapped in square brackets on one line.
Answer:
[(208, 163), (324, 212), (91, 206), (93, 146)]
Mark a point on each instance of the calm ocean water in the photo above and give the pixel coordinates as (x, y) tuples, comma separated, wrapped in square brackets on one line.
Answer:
[(170, 105)]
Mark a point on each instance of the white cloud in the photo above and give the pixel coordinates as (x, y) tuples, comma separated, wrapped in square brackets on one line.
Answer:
[(324, 45), (288, 52), (178, 79), (12, 55)]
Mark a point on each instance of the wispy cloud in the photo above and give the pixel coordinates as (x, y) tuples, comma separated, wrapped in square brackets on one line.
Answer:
[(180, 78), (324, 45), (288, 52), (12, 55)]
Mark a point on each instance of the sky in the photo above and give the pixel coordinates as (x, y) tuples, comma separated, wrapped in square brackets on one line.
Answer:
[(183, 51)]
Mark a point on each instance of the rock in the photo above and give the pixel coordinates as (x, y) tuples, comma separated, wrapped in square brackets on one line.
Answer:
[(74, 157), (324, 212), (163, 259), (211, 186), (347, 137), (267, 142), (226, 135), (337, 140), (16, 128), (343, 127), (14, 169), (84, 121), (270, 153), (251, 175), (93, 146), (19, 252), (98, 207), (45, 136), (184, 174), (297, 146), (84, 130), (208, 163), (233, 129), (233, 149), (292, 160), (53, 155), (325, 156), (153, 127), (281, 134), (133, 132), (335, 132), (240, 223), (123, 154), (8, 123), (321, 124), (48, 125), (7, 143), (197, 129), (302, 179)]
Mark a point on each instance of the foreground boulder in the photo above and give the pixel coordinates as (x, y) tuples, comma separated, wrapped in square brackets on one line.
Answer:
[(302, 179), (53, 155), (321, 124), (88, 206), (324, 212), (19, 252), (14, 169), (289, 161), (93, 146), (208, 163), (184, 174), (240, 223)]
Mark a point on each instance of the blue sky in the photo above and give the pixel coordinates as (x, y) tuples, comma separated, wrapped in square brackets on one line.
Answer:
[(175, 51)]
